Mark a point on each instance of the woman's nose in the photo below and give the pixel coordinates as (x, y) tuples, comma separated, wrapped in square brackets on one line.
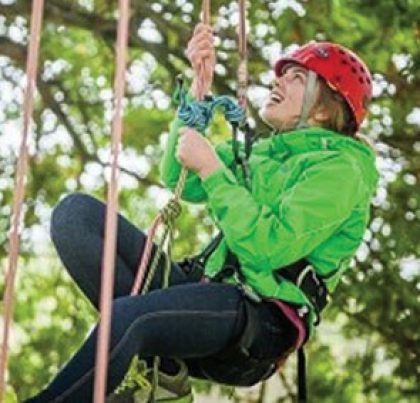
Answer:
[(275, 83)]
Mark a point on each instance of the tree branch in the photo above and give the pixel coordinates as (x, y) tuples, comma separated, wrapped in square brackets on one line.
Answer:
[(13, 50)]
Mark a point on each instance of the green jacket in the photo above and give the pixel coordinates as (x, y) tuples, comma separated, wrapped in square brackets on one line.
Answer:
[(310, 197)]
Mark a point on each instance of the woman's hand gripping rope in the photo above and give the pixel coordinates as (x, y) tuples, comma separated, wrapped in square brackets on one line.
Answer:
[(195, 153), (201, 55)]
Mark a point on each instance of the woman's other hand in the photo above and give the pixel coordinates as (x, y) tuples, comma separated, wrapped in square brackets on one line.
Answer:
[(194, 152), (201, 54)]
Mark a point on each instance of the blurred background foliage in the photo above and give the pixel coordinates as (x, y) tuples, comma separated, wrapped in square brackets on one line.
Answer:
[(367, 348)]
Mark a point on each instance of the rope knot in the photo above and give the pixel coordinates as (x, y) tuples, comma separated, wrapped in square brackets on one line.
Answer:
[(171, 211)]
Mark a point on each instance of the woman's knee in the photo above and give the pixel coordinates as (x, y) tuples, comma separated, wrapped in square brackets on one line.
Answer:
[(127, 314), (73, 211), (141, 320)]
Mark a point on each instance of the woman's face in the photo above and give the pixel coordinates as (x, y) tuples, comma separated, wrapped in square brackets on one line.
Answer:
[(282, 107)]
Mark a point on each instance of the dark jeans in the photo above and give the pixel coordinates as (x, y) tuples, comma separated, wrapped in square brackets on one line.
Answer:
[(200, 323)]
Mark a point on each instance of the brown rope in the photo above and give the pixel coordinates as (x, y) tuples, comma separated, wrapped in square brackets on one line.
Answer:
[(243, 56), (20, 179), (205, 18), (108, 262)]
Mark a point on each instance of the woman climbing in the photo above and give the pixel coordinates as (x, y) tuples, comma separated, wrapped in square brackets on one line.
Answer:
[(286, 239)]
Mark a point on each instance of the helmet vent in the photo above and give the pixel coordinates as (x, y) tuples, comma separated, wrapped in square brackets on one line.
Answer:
[(322, 53)]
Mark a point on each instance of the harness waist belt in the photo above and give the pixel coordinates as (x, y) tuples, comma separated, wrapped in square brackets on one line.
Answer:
[(303, 275)]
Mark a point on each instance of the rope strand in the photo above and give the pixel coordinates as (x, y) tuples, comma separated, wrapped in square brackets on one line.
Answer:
[(20, 179), (108, 262), (243, 56)]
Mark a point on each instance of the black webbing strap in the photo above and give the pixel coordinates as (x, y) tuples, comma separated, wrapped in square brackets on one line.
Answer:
[(301, 375), (302, 274), (249, 140), (209, 249), (231, 266)]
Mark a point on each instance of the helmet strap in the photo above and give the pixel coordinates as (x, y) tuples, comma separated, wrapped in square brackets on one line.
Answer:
[(309, 99)]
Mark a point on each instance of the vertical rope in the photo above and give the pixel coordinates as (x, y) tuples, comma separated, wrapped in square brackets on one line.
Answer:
[(205, 18), (20, 179), (243, 56), (206, 12), (108, 262)]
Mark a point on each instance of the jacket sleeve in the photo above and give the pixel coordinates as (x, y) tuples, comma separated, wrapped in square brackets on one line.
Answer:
[(308, 213), (170, 168)]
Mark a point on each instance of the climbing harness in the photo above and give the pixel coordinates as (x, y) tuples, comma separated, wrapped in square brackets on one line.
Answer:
[(302, 274), (19, 189)]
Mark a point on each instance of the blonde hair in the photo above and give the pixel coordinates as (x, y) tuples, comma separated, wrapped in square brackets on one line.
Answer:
[(340, 115), (341, 118)]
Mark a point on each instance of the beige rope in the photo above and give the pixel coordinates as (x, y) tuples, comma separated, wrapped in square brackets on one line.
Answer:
[(21, 168), (108, 263), (205, 18), (243, 56)]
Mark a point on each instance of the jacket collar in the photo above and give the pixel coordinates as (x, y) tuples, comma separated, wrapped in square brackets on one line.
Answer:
[(318, 139)]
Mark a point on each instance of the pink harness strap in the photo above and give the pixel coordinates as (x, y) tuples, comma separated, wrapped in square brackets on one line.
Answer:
[(295, 319)]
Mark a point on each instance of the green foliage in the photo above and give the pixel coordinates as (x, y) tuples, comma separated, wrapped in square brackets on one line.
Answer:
[(49, 313), (368, 348)]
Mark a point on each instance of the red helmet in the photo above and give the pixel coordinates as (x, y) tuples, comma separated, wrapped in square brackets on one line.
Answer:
[(341, 68)]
